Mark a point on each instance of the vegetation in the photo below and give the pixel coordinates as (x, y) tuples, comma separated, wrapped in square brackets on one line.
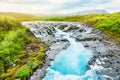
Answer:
[(20, 16), (109, 23), (25, 71), (21, 53), (17, 61)]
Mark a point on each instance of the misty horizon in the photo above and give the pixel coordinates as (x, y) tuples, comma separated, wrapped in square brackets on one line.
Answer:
[(58, 7)]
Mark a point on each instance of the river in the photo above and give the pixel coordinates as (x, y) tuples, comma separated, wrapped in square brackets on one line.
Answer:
[(72, 63), (76, 52)]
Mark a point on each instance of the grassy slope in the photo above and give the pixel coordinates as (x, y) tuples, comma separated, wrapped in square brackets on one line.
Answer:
[(20, 16), (19, 47), (109, 23)]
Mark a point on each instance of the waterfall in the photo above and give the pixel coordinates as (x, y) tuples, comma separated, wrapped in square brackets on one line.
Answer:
[(71, 63)]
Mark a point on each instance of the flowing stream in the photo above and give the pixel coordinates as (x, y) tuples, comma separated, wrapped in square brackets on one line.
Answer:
[(72, 63)]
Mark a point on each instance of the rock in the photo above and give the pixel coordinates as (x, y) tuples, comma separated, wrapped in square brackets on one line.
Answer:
[(64, 40), (81, 30), (106, 65), (62, 26), (86, 45)]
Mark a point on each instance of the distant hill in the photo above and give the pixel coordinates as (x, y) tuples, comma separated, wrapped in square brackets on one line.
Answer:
[(48, 15), (91, 12), (20, 16)]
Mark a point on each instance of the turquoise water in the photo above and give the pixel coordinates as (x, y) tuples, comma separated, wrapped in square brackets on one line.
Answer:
[(72, 63)]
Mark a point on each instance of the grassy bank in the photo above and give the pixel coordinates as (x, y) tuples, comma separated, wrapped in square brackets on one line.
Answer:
[(109, 23), (20, 52)]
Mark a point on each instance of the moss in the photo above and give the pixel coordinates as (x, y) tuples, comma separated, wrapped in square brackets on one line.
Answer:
[(42, 55), (25, 71)]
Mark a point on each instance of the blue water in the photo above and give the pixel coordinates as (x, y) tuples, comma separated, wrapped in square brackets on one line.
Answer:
[(72, 63)]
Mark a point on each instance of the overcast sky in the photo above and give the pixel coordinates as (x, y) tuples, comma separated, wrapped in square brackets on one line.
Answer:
[(57, 6)]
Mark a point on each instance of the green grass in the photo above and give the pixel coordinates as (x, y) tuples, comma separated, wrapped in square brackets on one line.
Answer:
[(25, 71), (15, 62), (20, 16)]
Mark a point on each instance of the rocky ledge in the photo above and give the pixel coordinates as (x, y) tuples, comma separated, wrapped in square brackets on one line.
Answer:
[(106, 59)]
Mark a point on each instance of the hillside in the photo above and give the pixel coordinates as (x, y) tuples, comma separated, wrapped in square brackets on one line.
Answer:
[(19, 16), (20, 51)]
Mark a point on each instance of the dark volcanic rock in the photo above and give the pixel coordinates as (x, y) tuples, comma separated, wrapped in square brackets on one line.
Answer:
[(107, 51)]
